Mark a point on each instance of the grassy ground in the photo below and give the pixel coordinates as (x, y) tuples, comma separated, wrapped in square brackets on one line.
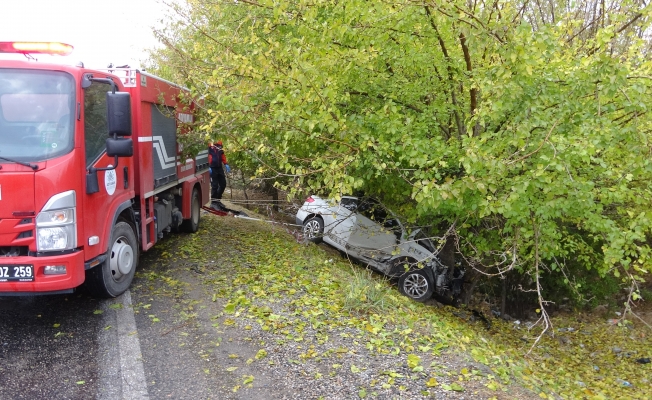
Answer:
[(324, 319)]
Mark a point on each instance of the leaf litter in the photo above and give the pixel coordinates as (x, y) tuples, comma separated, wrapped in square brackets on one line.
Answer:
[(286, 300)]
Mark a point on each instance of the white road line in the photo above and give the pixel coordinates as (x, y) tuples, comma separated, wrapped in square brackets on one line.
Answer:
[(122, 374), (134, 385)]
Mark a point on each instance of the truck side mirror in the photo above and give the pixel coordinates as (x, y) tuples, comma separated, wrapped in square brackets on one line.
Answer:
[(118, 105), (115, 147), (119, 147)]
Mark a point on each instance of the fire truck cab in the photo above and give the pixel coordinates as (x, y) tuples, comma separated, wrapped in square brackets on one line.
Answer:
[(90, 174)]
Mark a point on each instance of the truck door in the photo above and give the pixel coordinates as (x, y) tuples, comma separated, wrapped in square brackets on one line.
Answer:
[(98, 208)]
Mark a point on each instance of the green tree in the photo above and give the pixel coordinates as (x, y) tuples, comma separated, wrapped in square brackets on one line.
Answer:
[(520, 127)]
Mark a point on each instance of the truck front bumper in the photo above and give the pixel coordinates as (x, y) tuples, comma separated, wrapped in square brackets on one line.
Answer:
[(46, 284)]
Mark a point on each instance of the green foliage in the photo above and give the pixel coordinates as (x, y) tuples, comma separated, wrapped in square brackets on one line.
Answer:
[(366, 294), (584, 289), (527, 130)]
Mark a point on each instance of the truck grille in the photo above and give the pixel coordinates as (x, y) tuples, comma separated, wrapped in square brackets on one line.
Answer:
[(26, 234), (16, 235), (13, 251)]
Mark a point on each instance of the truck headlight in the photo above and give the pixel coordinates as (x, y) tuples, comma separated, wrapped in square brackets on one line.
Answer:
[(55, 238), (56, 224)]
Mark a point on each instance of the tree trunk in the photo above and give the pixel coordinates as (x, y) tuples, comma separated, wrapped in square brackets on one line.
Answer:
[(471, 279), (503, 296), (244, 185), (447, 253), (271, 190), (275, 198)]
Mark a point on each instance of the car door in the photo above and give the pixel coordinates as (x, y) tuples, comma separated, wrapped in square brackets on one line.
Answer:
[(370, 239), (339, 222)]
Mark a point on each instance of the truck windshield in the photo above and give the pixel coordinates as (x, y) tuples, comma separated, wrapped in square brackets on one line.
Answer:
[(36, 114)]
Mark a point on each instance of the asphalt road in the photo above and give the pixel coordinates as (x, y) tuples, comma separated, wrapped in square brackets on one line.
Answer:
[(78, 347), (69, 347), (49, 347)]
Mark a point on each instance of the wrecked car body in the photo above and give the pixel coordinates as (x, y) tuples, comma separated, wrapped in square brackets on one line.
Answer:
[(367, 232)]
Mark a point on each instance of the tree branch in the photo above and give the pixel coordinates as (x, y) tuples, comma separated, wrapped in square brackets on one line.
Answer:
[(469, 69), (458, 120), (538, 148), (381, 97)]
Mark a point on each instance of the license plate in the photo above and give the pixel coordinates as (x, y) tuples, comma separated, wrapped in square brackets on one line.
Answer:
[(16, 273)]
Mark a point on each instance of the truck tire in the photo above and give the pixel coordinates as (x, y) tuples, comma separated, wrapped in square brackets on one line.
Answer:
[(114, 275), (191, 225)]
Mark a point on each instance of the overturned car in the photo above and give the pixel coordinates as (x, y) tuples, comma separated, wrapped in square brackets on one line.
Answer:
[(366, 231)]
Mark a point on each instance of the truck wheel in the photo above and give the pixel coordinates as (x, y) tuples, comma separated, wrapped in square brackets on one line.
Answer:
[(114, 276), (416, 284), (191, 225)]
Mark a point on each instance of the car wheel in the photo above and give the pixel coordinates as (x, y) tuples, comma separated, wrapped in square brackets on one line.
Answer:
[(114, 275), (191, 225), (313, 229), (416, 284)]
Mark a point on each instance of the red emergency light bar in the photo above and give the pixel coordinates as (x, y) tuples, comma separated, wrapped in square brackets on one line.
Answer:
[(55, 48)]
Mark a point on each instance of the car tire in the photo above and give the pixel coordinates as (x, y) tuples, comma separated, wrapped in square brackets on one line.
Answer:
[(113, 277), (313, 229), (191, 225), (416, 284)]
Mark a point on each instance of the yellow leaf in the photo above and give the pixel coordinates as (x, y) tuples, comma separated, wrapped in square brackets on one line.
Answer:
[(413, 360), (432, 382)]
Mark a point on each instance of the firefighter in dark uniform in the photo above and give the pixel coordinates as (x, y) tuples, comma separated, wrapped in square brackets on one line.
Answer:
[(218, 163)]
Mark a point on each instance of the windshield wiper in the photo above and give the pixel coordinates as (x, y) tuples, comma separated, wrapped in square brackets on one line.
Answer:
[(32, 166)]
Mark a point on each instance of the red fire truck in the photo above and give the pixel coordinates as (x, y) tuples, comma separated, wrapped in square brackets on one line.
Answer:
[(90, 173)]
